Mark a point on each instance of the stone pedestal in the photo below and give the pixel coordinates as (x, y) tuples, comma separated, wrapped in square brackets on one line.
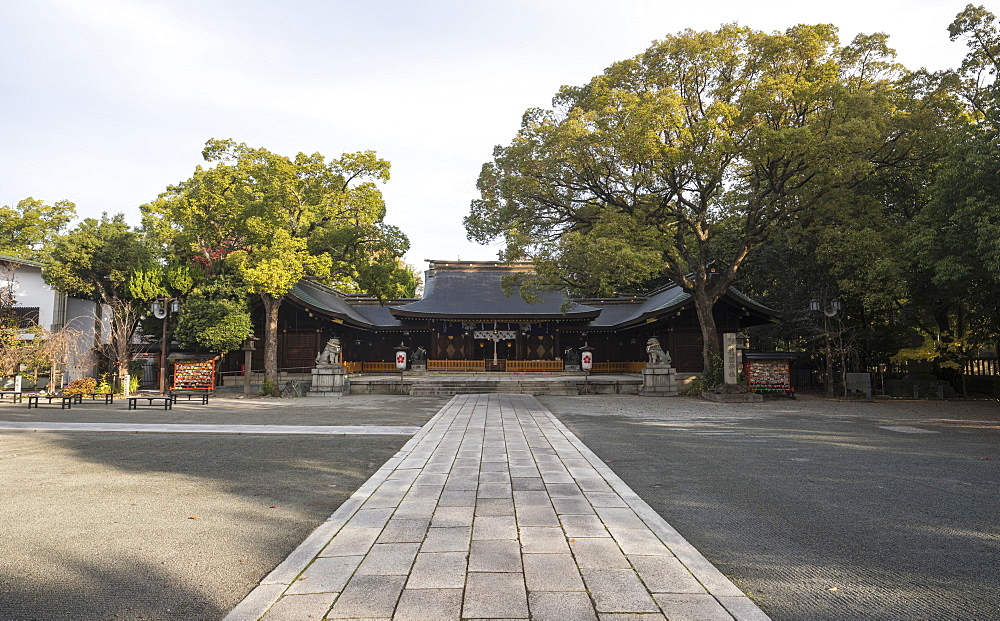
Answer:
[(330, 380), (571, 367), (418, 366), (659, 380)]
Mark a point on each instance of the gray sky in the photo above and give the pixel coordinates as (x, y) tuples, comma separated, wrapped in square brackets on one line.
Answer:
[(106, 102)]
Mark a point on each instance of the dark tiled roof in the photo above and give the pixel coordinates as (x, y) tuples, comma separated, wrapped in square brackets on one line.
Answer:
[(472, 291), (327, 300), (467, 293)]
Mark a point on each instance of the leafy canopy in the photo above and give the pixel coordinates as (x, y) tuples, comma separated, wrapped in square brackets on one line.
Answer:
[(30, 226)]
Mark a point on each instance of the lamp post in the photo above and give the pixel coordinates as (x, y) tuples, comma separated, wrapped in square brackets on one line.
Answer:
[(161, 308), (829, 307)]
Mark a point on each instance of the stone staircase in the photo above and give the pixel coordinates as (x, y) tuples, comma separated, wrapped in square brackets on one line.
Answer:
[(466, 387), (429, 386)]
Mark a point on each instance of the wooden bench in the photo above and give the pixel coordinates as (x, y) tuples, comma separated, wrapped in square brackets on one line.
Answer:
[(66, 401), (200, 394), (109, 397), (168, 402), (17, 396)]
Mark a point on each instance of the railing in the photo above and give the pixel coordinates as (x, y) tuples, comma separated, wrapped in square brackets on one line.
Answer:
[(456, 365), (534, 365), (618, 367), (353, 367), (379, 367)]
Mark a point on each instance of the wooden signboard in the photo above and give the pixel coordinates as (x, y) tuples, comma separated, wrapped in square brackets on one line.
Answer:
[(764, 374), (189, 375)]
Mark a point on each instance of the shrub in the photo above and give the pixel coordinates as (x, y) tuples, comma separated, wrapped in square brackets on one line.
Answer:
[(80, 386)]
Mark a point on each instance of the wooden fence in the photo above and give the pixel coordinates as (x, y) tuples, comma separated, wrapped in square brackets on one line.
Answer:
[(353, 367), (379, 367), (534, 365), (456, 365), (618, 367)]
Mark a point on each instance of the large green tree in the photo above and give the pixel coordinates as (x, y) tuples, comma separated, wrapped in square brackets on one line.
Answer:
[(109, 262), (680, 162), (30, 226), (270, 220)]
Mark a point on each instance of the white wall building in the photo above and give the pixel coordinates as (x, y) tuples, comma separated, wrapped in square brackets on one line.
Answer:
[(38, 303)]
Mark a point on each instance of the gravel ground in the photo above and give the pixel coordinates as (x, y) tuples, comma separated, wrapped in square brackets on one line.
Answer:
[(825, 510), (173, 526)]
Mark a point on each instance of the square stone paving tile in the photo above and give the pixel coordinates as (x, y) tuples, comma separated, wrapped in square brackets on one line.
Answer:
[(572, 506), (628, 616), (412, 509), (447, 539), (424, 492), (543, 540), (583, 526), (464, 498), (371, 518), (389, 559), (494, 490), (537, 516), (605, 499), (691, 607), (527, 484), (532, 499), (564, 490), (552, 572), (327, 575), (429, 605), (639, 541), (368, 596), (351, 542), (431, 478), (495, 555), (561, 607), (494, 527), (598, 553), (461, 484), (617, 517), (494, 477), (384, 498), (453, 516), (300, 607), (618, 590), (592, 484), (495, 595), (494, 506), (665, 574), (404, 531), (440, 570)]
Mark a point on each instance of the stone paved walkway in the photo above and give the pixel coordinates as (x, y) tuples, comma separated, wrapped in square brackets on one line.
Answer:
[(494, 510)]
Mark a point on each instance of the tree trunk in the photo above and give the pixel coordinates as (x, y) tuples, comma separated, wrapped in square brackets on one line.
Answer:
[(710, 351), (271, 306)]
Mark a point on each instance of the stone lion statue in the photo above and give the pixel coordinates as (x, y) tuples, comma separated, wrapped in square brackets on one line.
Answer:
[(330, 354), (656, 353)]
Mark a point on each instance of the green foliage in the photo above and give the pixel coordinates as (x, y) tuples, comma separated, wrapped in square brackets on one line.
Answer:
[(271, 220), (81, 386), (267, 388), (682, 161), (218, 325), (146, 285), (104, 383), (97, 259), (29, 227)]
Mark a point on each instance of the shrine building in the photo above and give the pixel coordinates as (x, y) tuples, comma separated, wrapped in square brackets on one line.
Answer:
[(464, 321)]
